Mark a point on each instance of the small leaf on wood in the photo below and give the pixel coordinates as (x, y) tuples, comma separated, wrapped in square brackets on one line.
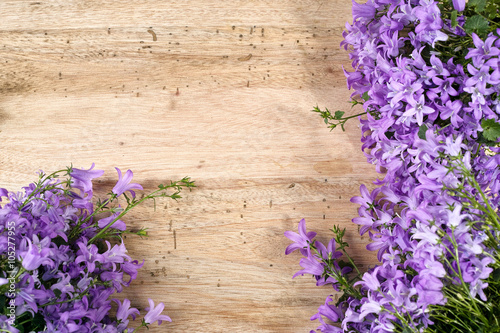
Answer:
[(338, 115)]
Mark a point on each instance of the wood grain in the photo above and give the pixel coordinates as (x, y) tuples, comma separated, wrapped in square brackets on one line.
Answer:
[(220, 91)]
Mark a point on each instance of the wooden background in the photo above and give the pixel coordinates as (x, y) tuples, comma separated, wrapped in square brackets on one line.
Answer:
[(220, 91)]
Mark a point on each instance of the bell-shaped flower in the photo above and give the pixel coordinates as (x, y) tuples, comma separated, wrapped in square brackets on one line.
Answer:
[(301, 240), (35, 256), (124, 184), (82, 179), (154, 313)]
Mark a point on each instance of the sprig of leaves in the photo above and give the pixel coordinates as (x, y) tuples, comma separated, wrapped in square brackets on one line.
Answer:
[(335, 119)]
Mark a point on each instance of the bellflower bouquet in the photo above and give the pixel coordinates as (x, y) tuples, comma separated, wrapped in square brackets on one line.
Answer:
[(427, 74), (62, 256)]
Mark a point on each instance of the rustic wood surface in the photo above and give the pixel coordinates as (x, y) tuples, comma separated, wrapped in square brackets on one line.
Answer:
[(220, 91)]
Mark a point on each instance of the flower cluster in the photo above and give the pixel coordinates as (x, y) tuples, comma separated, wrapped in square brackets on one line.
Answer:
[(427, 73), (62, 256)]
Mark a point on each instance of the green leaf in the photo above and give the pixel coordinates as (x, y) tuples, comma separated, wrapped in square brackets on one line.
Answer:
[(491, 129), (454, 22), (338, 115), (477, 24), (421, 131), (477, 4), (482, 140), (365, 96)]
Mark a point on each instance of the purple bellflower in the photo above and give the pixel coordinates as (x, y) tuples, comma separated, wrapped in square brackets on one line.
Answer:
[(124, 184), (154, 313), (301, 240)]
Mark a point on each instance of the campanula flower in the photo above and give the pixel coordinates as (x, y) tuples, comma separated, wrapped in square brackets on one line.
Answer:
[(364, 11), (301, 240), (124, 184), (124, 312), (118, 224), (82, 179), (459, 5), (310, 265), (154, 313), (33, 257), (330, 312)]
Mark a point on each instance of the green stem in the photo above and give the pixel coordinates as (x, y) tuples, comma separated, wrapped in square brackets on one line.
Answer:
[(353, 116), (348, 288), (76, 230), (132, 205), (352, 262), (41, 181)]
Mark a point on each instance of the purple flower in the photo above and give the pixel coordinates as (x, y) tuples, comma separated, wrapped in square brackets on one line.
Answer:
[(328, 252), (371, 306), (131, 268), (88, 254), (418, 109), (330, 312), (364, 11), (82, 179), (459, 5), (6, 324), (310, 265), (3, 193), (118, 224), (124, 312), (154, 313), (33, 257), (115, 255), (64, 285), (124, 184), (301, 240), (429, 290), (484, 49), (370, 280)]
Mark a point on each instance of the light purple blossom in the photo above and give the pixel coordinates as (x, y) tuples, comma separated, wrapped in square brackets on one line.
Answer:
[(154, 313), (33, 257), (82, 179), (459, 5), (124, 184), (310, 265), (300, 240)]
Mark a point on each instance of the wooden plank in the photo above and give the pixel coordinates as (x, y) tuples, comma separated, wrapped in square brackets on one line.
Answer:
[(217, 90)]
